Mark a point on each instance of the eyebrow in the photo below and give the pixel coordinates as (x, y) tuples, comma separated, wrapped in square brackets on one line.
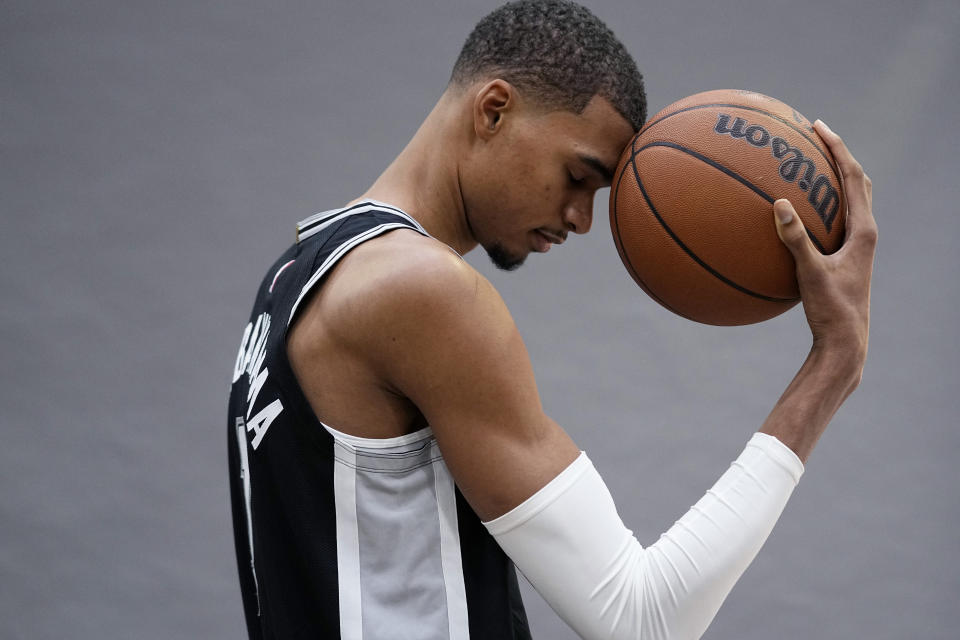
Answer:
[(598, 166)]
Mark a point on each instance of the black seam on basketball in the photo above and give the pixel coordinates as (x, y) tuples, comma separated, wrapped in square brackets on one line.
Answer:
[(624, 257), (679, 242), (713, 163), (716, 165), (823, 153)]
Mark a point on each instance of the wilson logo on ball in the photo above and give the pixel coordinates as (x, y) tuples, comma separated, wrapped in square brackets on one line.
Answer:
[(793, 165)]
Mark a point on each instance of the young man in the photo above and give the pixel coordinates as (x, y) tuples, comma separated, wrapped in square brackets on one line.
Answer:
[(390, 459)]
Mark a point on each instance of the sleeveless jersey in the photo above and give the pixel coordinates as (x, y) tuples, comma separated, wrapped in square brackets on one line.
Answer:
[(339, 536)]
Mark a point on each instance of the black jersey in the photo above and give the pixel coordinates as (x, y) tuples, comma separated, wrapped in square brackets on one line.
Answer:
[(339, 536)]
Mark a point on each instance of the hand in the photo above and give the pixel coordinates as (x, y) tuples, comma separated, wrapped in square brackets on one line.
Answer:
[(835, 288)]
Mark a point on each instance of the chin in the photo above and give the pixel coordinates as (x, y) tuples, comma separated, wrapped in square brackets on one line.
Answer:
[(503, 259)]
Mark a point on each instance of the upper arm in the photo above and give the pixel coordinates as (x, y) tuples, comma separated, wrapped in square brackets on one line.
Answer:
[(437, 332)]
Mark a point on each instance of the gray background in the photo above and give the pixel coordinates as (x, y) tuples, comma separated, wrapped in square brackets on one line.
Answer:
[(154, 158)]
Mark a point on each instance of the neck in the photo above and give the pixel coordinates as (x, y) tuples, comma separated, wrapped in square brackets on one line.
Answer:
[(424, 179)]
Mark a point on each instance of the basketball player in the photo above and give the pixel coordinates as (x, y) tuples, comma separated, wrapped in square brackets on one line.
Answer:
[(390, 460)]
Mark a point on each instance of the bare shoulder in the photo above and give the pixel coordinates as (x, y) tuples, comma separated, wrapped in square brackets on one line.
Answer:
[(402, 263), (404, 284)]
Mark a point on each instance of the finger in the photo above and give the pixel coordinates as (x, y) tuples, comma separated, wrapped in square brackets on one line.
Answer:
[(856, 185), (792, 232), (849, 167)]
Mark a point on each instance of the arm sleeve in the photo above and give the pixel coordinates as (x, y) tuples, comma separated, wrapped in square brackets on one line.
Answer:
[(571, 544)]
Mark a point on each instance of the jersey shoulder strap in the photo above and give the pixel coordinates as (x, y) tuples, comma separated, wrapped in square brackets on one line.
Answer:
[(324, 238)]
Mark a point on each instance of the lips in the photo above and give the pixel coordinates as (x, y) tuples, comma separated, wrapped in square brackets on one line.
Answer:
[(544, 238), (541, 243), (555, 238)]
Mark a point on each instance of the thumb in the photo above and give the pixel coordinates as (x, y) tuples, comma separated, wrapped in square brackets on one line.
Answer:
[(792, 232)]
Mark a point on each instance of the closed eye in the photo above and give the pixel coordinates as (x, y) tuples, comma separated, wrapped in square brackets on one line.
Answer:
[(601, 169)]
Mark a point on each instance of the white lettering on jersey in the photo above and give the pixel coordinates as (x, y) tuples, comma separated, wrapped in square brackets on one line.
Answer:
[(261, 422), (250, 359), (238, 365)]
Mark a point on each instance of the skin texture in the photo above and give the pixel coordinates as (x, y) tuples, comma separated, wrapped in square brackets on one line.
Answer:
[(416, 336), (835, 290)]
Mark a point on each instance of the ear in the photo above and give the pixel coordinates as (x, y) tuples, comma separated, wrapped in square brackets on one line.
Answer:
[(491, 104)]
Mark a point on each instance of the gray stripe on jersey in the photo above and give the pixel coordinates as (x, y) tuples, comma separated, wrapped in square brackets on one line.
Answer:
[(406, 539), (320, 221)]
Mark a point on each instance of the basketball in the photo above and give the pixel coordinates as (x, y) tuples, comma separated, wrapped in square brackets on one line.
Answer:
[(691, 208)]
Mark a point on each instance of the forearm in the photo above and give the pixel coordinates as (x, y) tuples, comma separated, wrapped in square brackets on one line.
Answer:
[(803, 412), (572, 546)]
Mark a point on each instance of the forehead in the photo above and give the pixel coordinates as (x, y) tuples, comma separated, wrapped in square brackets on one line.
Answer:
[(599, 130)]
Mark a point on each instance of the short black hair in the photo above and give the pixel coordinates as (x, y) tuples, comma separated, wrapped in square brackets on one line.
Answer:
[(558, 51)]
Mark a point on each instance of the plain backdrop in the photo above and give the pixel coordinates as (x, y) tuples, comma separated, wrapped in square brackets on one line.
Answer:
[(155, 156)]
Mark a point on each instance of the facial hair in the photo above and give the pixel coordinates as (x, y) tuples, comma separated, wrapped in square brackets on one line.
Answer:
[(503, 259)]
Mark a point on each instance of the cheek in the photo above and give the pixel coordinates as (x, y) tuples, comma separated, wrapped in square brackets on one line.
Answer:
[(521, 185), (532, 177)]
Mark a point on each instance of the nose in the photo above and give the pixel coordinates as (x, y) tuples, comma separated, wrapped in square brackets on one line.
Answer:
[(578, 214)]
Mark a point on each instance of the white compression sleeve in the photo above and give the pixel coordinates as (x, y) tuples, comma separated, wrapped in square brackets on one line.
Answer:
[(571, 544)]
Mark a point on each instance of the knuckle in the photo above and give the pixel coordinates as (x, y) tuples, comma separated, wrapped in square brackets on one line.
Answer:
[(792, 240), (794, 233), (857, 379), (869, 236)]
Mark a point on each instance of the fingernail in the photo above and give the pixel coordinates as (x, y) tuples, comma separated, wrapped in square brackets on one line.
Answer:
[(824, 125), (784, 211)]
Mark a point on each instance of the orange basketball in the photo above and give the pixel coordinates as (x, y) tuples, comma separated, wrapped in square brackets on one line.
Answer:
[(691, 208)]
